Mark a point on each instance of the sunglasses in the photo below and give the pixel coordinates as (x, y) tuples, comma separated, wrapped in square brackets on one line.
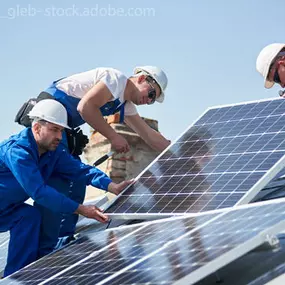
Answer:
[(151, 93), (276, 77)]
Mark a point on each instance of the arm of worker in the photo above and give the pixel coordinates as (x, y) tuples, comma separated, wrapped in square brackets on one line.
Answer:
[(92, 212), (72, 169), (89, 109), (25, 169), (153, 138)]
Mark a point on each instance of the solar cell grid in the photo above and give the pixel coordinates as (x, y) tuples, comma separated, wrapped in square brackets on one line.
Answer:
[(219, 159), (227, 236), (59, 261), (182, 250)]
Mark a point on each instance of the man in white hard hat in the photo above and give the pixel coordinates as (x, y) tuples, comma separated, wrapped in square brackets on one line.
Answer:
[(27, 161), (90, 95), (270, 64)]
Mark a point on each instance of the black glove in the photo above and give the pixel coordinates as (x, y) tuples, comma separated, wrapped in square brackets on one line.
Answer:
[(76, 141)]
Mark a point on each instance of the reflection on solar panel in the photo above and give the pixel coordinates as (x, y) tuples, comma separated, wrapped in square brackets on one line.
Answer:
[(57, 262), (4, 241), (213, 164), (182, 249)]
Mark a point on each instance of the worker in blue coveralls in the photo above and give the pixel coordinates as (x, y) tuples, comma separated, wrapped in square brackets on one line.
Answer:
[(27, 160), (90, 95)]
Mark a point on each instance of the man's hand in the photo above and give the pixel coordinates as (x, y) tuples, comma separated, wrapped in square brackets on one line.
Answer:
[(92, 212), (118, 188), (119, 143)]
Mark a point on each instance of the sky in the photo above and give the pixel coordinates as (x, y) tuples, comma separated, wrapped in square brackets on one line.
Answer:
[(207, 48)]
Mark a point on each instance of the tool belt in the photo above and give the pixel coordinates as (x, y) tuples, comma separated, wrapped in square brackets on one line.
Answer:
[(22, 117), (76, 140)]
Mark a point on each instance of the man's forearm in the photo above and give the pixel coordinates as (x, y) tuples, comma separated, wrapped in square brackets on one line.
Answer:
[(157, 141)]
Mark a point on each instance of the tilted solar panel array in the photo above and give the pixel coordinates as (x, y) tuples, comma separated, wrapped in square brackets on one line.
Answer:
[(213, 164), (225, 158), (182, 250)]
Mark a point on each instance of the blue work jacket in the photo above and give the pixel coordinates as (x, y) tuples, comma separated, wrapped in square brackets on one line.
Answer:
[(24, 174)]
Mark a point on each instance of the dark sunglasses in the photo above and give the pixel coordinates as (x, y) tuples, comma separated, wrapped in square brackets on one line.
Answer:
[(276, 77), (151, 93)]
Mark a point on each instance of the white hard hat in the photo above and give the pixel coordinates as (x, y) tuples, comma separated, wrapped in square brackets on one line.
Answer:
[(158, 75), (51, 111), (264, 60)]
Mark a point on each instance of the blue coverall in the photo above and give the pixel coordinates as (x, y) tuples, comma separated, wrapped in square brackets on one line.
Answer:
[(24, 174), (75, 189)]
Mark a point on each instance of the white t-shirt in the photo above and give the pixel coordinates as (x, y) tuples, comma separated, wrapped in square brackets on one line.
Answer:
[(79, 84)]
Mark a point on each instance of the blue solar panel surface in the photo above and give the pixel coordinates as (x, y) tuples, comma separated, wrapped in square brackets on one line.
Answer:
[(161, 252), (213, 164)]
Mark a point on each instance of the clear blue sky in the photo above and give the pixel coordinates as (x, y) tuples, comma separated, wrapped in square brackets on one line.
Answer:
[(208, 49)]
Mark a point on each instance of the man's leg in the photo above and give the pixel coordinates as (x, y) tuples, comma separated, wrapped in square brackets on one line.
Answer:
[(51, 221), (58, 225), (77, 194), (24, 225)]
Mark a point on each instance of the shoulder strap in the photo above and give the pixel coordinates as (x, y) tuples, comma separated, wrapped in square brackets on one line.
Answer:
[(122, 112)]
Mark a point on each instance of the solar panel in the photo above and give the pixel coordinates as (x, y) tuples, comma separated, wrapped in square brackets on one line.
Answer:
[(57, 262), (82, 225), (224, 158), (4, 241), (179, 250)]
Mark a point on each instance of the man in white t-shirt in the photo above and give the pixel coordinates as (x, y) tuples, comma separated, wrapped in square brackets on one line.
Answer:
[(85, 96), (90, 95)]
